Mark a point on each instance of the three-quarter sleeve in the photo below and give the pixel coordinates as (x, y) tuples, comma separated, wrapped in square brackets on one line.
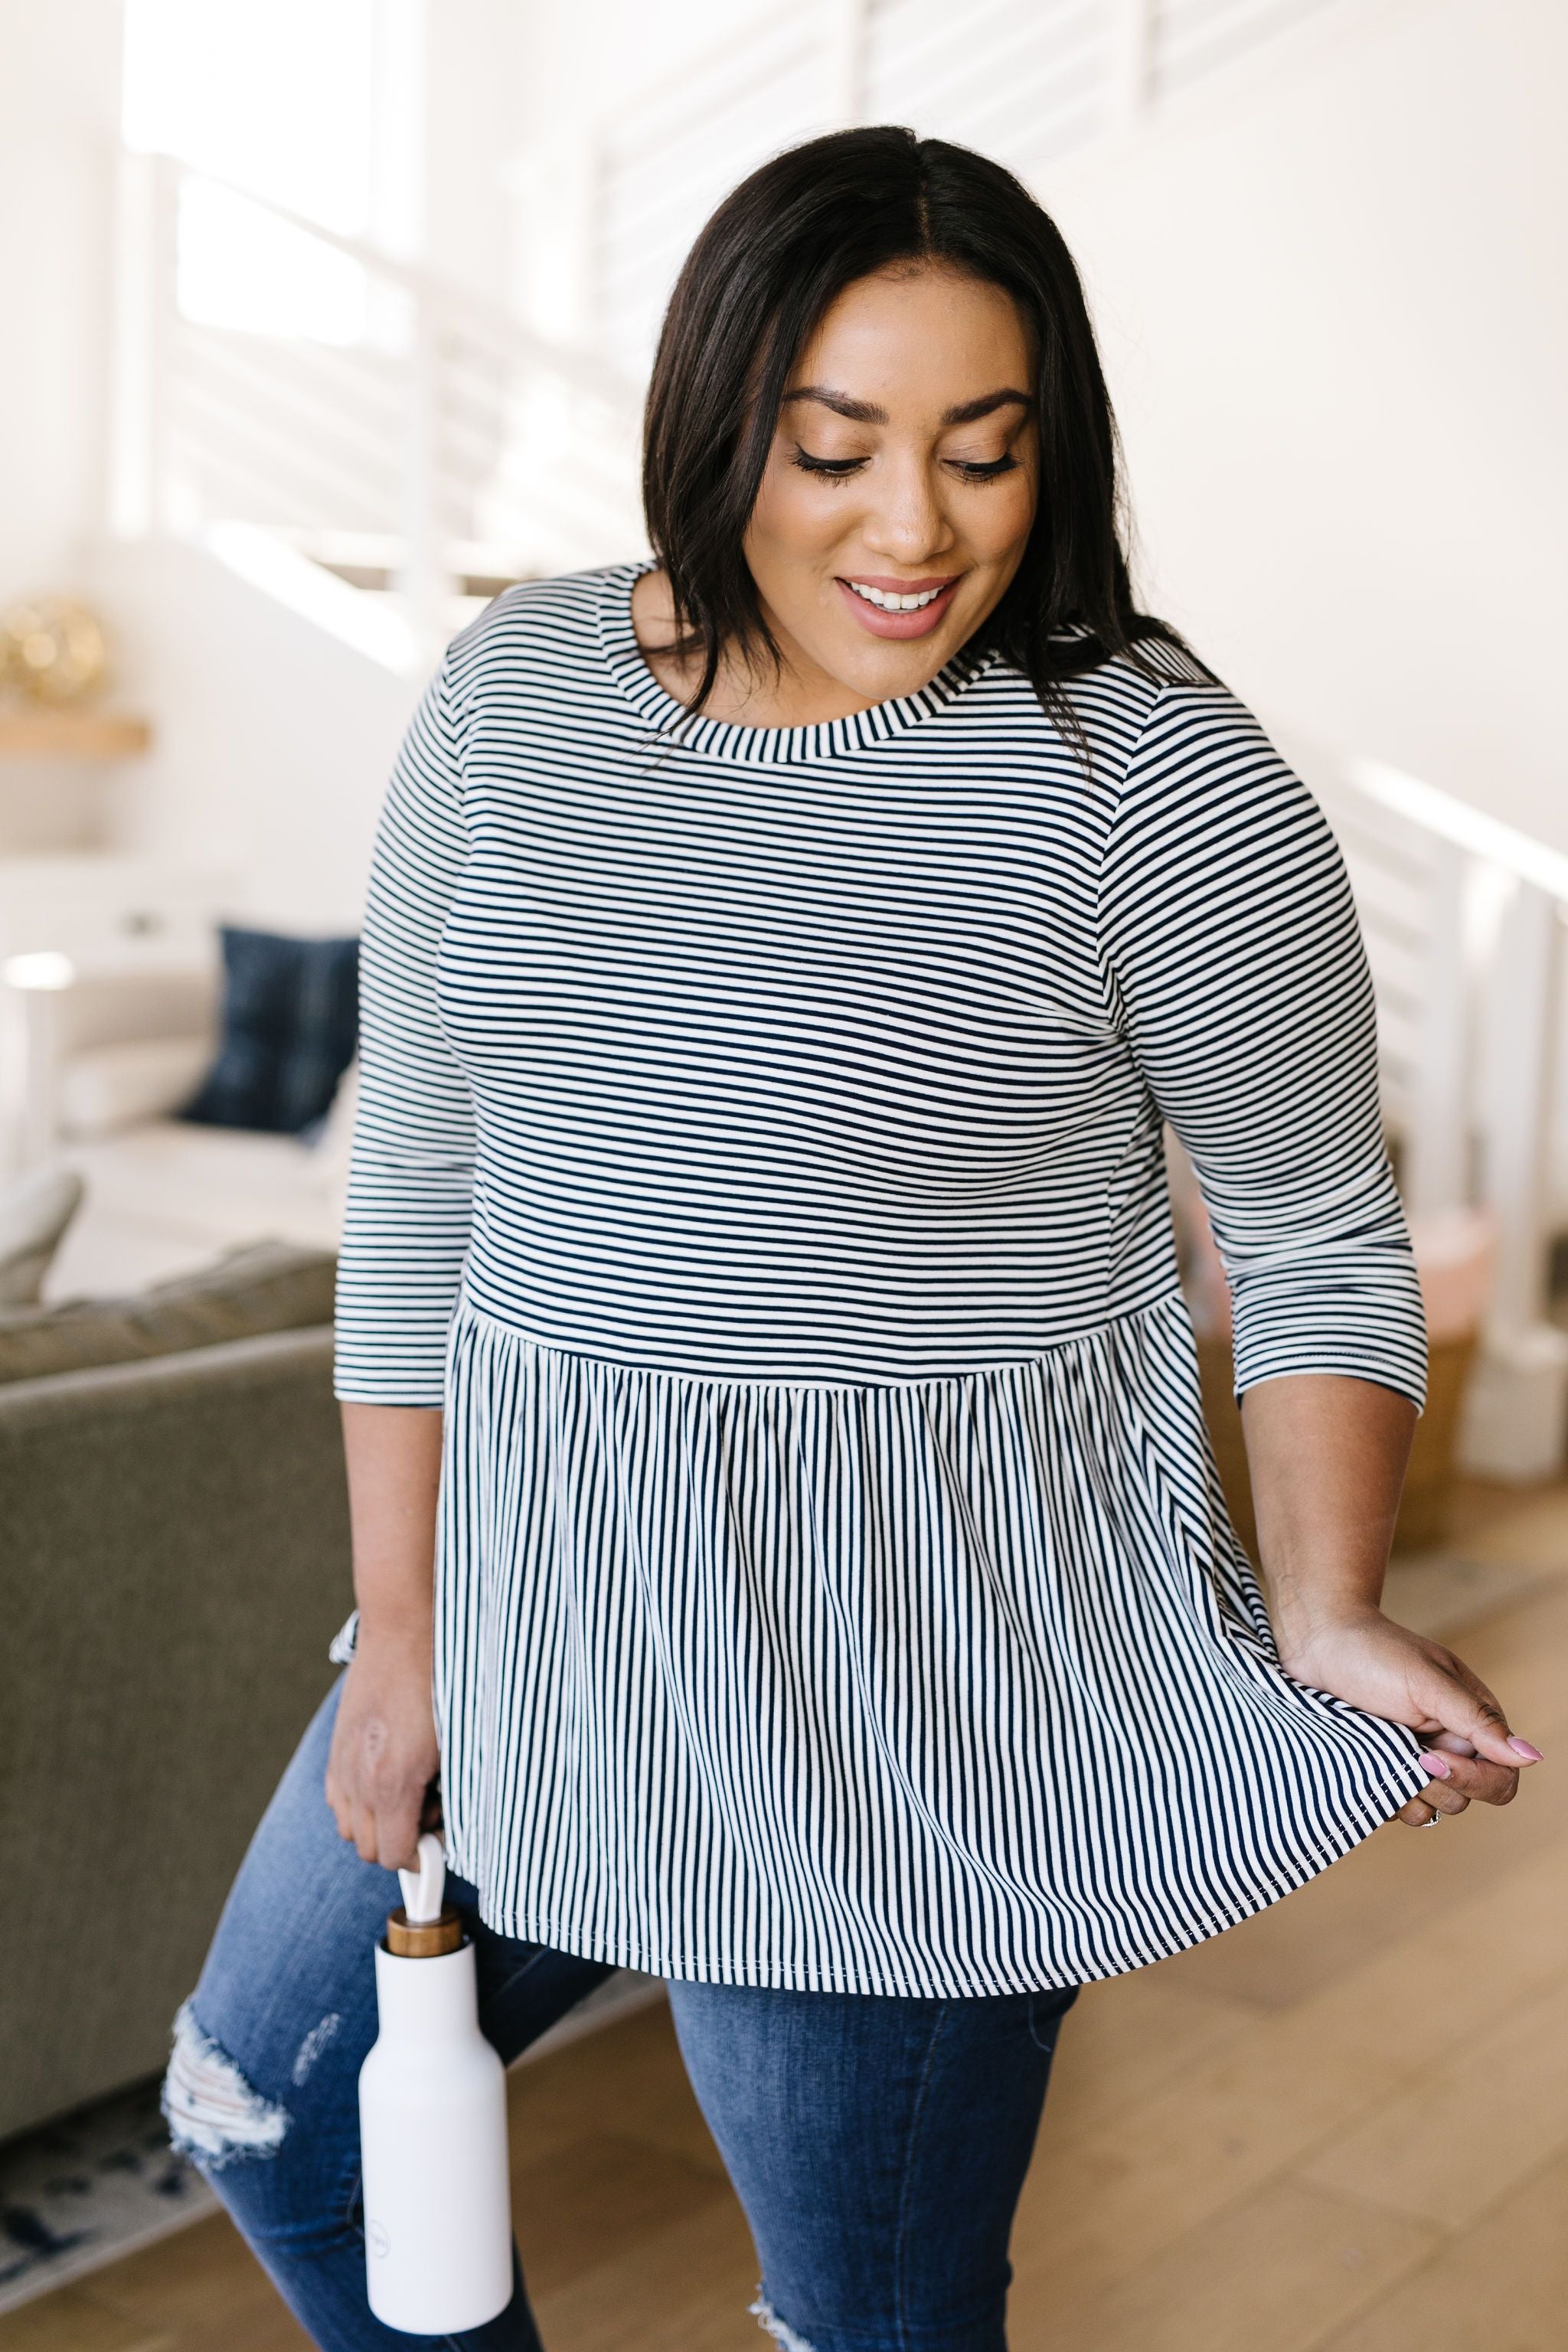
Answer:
[(405, 1224), (1236, 966)]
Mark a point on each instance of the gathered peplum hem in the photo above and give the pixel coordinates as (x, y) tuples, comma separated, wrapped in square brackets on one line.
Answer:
[(947, 1982), (958, 1687)]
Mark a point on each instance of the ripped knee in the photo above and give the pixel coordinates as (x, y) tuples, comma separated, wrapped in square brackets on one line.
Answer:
[(767, 2317), (213, 2115)]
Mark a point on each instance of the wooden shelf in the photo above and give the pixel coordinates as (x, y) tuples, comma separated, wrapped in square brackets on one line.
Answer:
[(37, 734)]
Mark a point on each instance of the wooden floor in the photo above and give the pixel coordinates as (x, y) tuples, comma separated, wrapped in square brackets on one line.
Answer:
[(1342, 2128)]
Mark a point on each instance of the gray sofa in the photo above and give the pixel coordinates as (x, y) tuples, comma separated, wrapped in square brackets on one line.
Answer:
[(173, 1562)]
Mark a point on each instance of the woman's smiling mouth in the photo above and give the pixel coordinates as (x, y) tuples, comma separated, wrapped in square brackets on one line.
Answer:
[(899, 608)]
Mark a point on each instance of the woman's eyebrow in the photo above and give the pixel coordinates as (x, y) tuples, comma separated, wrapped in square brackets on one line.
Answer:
[(860, 412), (866, 412), (971, 411)]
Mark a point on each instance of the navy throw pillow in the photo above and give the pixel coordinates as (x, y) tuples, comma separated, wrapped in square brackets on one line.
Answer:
[(290, 1027)]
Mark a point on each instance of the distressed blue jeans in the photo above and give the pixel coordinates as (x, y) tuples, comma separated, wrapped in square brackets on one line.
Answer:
[(876, 2143)]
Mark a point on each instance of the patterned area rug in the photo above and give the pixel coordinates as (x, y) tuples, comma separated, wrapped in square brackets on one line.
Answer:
[(82, 2192)]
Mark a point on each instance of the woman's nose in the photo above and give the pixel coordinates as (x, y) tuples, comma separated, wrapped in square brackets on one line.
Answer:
[(906, 523)]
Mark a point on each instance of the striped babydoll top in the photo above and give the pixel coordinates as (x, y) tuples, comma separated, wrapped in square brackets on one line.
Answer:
[(761, 1160)]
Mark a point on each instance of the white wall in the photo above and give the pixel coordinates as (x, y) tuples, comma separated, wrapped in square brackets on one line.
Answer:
[(274, 739), (60, 73), (1333, 302), (58, 98), (479, 75), (587, 58)]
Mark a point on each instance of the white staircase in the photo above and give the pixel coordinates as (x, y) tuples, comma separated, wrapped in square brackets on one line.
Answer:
[(429, 446), (424, 446)]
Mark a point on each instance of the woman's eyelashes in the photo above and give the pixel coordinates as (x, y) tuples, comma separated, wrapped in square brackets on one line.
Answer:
[(835, 469), (839, 469), (973, 470)]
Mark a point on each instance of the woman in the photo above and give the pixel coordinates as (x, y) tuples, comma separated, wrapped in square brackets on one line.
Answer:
[(758, 1296)]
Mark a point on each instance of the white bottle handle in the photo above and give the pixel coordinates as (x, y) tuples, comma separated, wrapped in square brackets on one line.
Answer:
[(423, 1888)]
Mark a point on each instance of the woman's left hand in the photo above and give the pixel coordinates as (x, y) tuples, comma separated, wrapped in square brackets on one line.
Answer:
[(1363, 1657)]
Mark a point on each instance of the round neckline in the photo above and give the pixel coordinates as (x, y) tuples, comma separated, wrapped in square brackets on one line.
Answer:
[(729, 738)]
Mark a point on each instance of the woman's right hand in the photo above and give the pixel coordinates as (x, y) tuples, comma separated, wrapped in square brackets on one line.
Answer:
[(384, 1758)]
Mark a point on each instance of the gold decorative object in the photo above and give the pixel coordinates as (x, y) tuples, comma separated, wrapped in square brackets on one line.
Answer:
[(53, 648)]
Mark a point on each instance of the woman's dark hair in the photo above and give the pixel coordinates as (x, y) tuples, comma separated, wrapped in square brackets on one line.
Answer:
[(760, 276)]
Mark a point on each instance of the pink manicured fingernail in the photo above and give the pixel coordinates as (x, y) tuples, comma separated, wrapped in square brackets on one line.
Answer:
[(1437, 1765), (1522, 1748)]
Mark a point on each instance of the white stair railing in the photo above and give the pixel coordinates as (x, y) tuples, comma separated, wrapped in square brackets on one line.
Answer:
[(439, 442), (1463, 917)]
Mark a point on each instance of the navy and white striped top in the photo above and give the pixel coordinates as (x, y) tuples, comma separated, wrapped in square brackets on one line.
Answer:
[(760, 1157)]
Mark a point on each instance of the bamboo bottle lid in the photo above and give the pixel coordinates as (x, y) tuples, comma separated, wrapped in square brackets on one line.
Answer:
[(426, 1940)]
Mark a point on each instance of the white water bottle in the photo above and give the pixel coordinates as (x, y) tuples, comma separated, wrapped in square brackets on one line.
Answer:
[(432, 2113)]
